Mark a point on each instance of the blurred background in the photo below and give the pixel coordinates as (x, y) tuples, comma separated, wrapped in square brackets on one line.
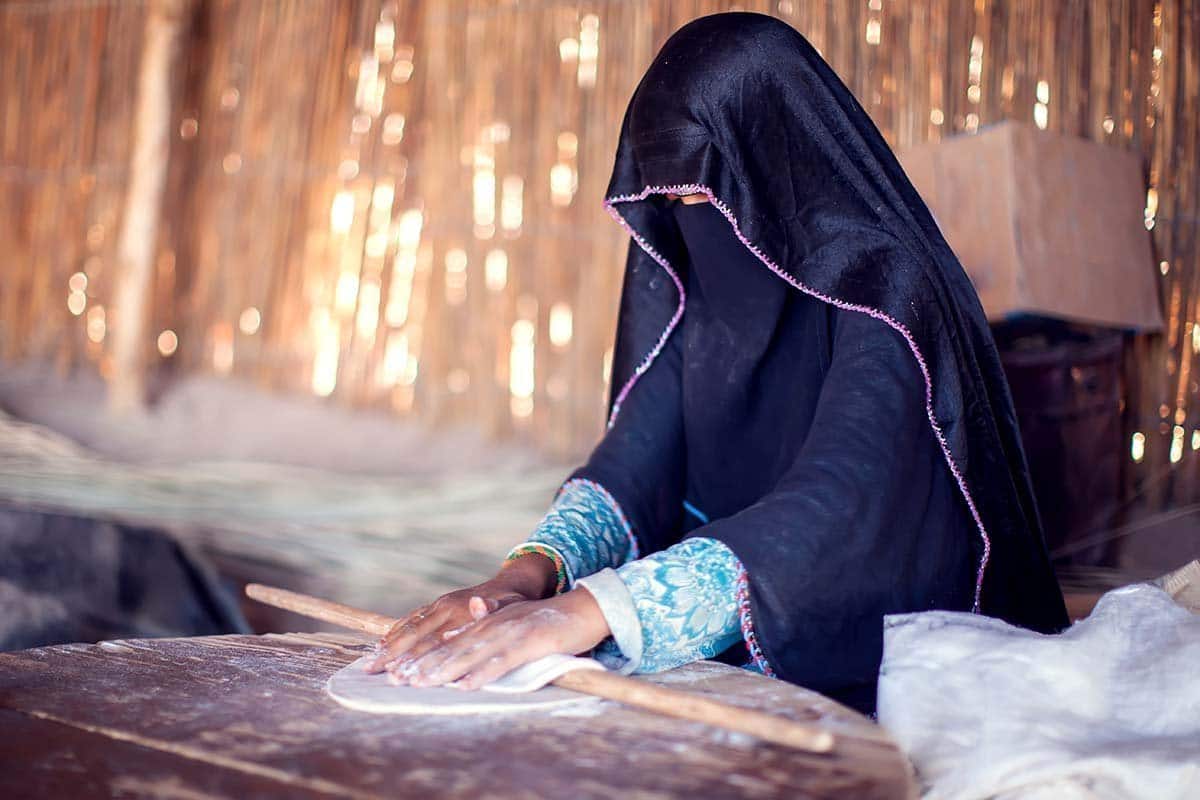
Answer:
[(322, 293)]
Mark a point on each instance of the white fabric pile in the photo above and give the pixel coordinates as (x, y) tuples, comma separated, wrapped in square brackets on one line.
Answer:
[(1110, 708)]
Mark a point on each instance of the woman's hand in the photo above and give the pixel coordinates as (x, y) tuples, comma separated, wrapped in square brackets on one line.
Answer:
[(487, 648), (530, 577)]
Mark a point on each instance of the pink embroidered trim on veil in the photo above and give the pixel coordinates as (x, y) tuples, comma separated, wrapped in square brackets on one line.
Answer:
[(662, 340)]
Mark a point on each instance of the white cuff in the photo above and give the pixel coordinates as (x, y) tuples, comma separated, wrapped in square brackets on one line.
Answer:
[(616, 604)]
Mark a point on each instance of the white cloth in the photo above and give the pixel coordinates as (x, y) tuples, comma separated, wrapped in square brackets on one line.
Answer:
[(620, 612), (1109, 708)]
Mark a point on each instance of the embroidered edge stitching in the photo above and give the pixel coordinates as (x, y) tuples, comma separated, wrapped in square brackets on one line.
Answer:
[(634, 551)]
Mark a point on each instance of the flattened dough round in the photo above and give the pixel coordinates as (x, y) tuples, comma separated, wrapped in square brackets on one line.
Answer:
[(353, 688)]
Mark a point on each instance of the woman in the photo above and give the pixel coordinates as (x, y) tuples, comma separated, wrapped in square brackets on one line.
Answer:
[(809, 426)]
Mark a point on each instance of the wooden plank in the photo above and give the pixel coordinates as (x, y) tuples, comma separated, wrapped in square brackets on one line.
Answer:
[(253, 709), (48, 758)]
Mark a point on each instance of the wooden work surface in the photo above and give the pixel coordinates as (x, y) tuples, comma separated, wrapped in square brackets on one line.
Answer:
[(247, 716)]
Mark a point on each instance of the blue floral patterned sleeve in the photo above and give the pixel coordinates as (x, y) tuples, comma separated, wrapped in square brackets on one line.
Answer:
[(585, 529), (669, 608), (684, 603)]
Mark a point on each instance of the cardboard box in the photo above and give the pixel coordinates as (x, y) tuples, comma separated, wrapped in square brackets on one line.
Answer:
[(1044, 223)]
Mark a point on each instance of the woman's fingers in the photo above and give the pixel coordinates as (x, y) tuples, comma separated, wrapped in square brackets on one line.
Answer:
[(496, 666), (423, 645), (446, 615), (488, 649), (475, 671), (415, 625), (479, 638), (404, 634), (480, 608), (440, 667), (496, 637), (499, 601), (477, 607)]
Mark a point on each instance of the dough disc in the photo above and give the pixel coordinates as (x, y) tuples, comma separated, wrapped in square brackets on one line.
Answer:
[(353, 688)]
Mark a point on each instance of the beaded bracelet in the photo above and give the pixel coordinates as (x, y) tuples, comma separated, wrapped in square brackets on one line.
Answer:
[(560, 567)]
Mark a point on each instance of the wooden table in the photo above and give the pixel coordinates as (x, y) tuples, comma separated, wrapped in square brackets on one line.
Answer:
[(247, 716)]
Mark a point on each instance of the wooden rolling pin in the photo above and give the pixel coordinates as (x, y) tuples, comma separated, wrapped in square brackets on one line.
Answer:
[(631, 692)]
